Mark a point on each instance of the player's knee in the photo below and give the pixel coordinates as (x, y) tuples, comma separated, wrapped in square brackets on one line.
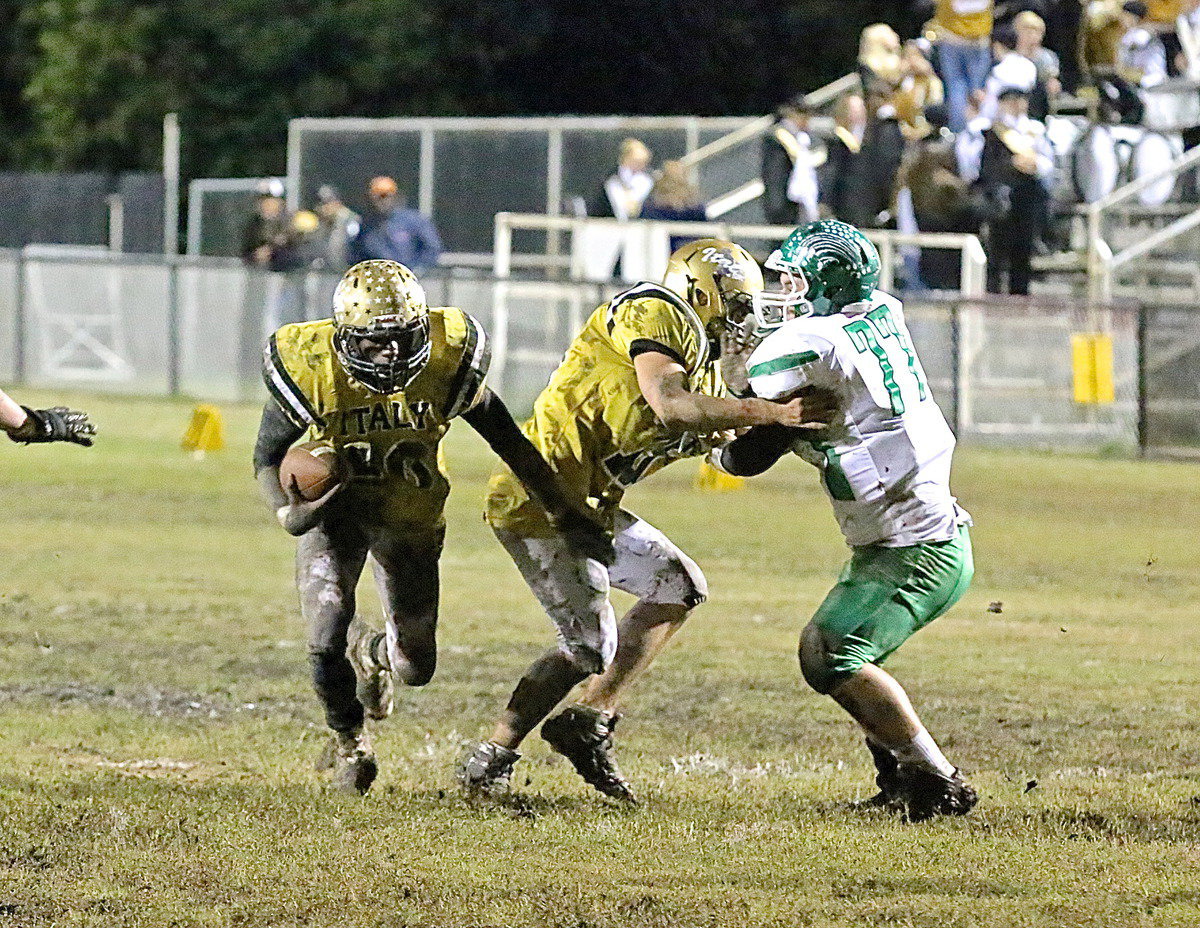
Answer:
[(586, 658), (682, 584), (824, 663), (417, 669)]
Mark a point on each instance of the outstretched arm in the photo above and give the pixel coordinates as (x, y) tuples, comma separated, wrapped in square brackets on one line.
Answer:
[(492, 420), (58, 423), (663, 383)]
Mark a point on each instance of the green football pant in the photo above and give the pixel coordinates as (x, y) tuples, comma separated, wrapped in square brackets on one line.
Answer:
[(882, 597)]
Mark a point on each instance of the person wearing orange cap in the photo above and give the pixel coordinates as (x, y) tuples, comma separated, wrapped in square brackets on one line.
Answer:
[(391, 231)]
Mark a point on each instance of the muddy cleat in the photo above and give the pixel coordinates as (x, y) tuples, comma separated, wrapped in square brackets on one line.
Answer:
[(374, 687), (354, 766), (585, 737), (925, 793), (487, 770), (886, 778)]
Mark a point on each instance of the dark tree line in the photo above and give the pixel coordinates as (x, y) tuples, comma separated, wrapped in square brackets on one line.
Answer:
[(84, 84)]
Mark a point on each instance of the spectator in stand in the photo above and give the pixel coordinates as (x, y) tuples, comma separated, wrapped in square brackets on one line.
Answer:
[(919, 88), (862, 181), (392, 232), (1140, 61), (941, 202), (624, 192), (961, 29), (968, 144), (1012, 69), (1031, 30), (269, 239), (839, 181), (879, 57), (1064, 24), (1141, 57), (789, 168), (674, 198), (338, 225), (1014, 176)]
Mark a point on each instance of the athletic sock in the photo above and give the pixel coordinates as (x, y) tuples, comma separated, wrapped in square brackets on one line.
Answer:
[(377, 651), (923, 750)]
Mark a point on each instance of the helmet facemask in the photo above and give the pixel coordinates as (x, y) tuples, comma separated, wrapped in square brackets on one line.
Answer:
[(775, 307), (386, 356)]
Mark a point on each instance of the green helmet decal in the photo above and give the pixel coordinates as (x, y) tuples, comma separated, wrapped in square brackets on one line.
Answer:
[(838, 262)]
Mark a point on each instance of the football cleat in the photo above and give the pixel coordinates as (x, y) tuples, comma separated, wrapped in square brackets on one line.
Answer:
[(487, 771), (924, 793), (353, 762), (886, 777), (374, 681), (585, 737)]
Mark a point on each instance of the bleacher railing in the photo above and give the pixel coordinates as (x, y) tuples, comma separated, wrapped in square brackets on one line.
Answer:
[(1103, 262)]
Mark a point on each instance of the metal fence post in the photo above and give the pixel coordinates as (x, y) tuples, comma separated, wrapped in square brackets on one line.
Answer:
[(19, 372), (1143, 424), (955, 366), (174, 339)]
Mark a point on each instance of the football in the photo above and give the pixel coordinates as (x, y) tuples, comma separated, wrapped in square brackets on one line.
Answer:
[(314, 468)]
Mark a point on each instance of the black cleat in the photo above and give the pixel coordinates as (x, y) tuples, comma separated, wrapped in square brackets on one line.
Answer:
[(886, 778), (487, 770), (925, 793), (352, 760), (584, 736)]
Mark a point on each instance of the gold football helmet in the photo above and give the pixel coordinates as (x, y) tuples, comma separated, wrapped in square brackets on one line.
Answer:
[(381, 321), (720, 280)]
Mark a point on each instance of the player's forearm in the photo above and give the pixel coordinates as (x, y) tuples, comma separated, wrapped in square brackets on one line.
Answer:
[(12, 416), (269, 488), (492, 420), (697, 412)]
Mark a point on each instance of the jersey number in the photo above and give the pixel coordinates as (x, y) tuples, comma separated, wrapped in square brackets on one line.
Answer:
[(404, 459), (868, 335)]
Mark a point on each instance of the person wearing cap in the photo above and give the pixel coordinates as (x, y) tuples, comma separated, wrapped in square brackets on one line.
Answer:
[(1015, 170), (269, 240), (338, 224), (392, 231)]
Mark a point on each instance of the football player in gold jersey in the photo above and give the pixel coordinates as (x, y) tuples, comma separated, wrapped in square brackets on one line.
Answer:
[(639, 387), (380, 382)]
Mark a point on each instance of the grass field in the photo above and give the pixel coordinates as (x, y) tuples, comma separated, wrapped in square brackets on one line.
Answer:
[(158, 727)]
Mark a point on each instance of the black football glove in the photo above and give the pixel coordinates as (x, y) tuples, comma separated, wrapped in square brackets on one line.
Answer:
[(585, 537), (57, 423)]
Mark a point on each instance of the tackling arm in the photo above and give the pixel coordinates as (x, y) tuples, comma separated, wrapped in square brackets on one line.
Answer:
[(663, 383), (756, 451), (492, 420)]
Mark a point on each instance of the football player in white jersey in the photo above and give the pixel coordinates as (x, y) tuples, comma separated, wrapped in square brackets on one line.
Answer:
[(885, 464)]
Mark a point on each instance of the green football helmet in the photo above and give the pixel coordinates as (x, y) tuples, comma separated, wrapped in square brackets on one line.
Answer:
[(828, 265)]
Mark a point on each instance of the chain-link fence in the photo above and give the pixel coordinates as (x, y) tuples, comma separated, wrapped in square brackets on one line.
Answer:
[(1053, 374)]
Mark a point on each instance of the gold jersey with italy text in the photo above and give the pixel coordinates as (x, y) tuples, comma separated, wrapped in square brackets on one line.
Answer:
[(591, 422), (390, 445)]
